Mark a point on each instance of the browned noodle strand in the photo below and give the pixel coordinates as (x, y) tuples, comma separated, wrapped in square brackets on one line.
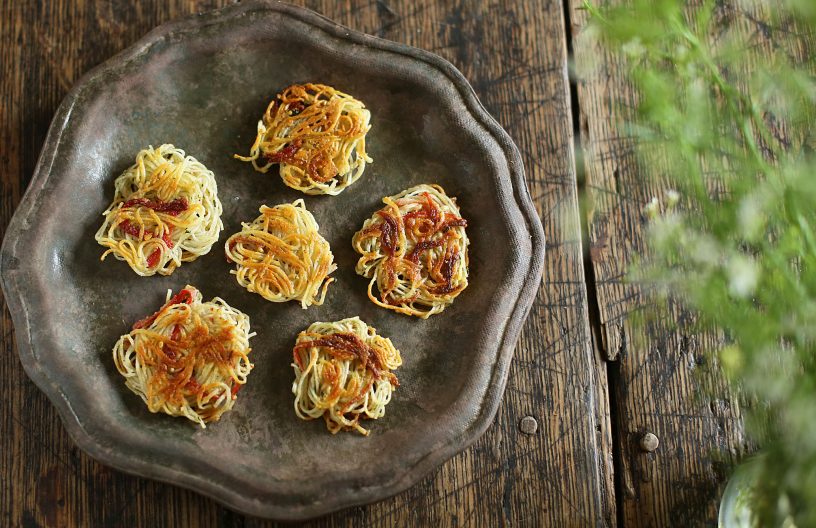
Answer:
[(343, 373), (189, 358), (282, 256), (415, 249), (317, 135)]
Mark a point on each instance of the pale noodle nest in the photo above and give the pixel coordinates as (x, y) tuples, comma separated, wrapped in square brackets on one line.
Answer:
[(165, 211), (415, 250), (343, 373), (189, 358), (317, 135), (282, 257)]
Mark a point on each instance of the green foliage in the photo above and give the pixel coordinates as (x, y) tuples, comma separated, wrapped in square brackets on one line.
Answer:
[(725, 124)]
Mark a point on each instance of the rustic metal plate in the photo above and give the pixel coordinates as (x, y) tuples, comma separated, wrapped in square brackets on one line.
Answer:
[(202, 83)]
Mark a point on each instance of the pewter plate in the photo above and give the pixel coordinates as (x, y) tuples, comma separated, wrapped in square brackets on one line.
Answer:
[(201, 83)]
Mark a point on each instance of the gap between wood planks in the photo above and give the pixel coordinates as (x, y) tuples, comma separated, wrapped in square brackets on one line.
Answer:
[(612, 367)]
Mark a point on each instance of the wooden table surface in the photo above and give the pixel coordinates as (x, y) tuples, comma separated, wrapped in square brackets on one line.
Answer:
[(592, 393)]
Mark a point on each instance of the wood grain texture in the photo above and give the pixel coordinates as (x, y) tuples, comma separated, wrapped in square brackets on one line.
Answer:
[(515, 56), (656, 379)]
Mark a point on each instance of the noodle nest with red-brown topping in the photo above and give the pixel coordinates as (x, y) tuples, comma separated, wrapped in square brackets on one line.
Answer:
[(415, 251), (317, 135), (282, 256), (343, 373), (165, 211), (188, 359)]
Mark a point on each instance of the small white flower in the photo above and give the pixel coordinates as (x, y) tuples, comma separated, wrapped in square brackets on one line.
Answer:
[(652, 209), (633, 48), (672, 197), (743, 276), (751, 217)]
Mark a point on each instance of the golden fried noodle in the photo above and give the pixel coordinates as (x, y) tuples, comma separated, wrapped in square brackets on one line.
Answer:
[(165, 211), (189, 358), (415, 250), (317, 134), (342, 373), (282, 257)]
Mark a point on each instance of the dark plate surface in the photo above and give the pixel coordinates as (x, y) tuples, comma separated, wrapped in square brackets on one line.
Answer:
[(201, 84)]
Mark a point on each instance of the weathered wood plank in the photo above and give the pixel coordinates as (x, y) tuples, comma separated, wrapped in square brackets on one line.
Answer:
[(655, 381), (515, 56)]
